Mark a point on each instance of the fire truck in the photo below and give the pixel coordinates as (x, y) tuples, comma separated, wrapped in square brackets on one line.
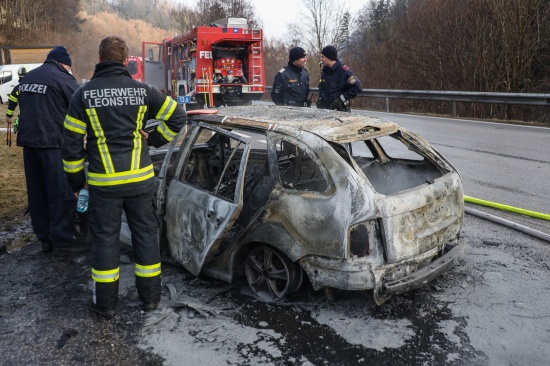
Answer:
[(213, 65), (135, 67)]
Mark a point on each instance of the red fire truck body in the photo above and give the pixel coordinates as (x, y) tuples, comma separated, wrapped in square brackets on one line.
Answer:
[(135, 67), (214, 65)]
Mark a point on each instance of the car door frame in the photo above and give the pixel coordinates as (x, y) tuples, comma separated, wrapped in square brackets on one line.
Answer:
[(196, 219)]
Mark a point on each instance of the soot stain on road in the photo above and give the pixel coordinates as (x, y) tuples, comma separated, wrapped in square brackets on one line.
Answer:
[(421, 317)]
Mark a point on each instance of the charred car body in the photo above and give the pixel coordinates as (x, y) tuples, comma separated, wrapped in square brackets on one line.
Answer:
[(277, 194)]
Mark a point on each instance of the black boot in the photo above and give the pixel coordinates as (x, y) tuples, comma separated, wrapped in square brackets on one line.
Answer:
[(106, 298), (150, 306), (46, 246), (75, 247), (149, 289), (103, 312)]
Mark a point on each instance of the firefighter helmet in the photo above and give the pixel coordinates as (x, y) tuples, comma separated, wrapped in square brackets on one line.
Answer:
[(22, 71)]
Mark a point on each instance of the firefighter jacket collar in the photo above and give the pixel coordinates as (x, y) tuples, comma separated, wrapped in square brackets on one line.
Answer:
[(110, 68)]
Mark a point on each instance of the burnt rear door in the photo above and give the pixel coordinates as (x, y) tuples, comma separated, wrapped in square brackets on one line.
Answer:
[(205, 197)]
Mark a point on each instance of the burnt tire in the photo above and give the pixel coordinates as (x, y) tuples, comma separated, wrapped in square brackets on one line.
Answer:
[(298, 278), (270, 274)]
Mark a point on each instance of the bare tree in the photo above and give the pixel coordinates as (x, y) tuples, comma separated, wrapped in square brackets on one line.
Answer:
[(275, 57), (320, 24), (184, 17), (341, 38)]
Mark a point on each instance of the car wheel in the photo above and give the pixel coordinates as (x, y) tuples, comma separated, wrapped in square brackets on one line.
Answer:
[(270, 274), (298, 278)]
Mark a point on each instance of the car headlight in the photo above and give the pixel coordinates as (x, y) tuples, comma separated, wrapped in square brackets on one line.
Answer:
[(362, 237)]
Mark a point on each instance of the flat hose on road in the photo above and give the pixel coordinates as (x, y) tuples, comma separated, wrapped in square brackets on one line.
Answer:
[(507, 223), (500, 206)]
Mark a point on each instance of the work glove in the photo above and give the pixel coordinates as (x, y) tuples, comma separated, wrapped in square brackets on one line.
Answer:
[(340, 104), (15, 125)]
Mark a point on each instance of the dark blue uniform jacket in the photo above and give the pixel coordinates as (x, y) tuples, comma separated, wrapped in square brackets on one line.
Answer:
[(335, 81), (291, 86), (44, 98)]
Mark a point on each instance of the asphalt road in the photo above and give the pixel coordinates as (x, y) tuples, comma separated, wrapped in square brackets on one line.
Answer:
[(492, 309)]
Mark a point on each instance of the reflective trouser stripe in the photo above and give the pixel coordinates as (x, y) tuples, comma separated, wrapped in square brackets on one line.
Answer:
[(148, 271), (105, 276)]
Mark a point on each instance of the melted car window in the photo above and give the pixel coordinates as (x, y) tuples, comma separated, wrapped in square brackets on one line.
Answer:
[(297, 170), (396, 149), (214, 165), (391, 166)]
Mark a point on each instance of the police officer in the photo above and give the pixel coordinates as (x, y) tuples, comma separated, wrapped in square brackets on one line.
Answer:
[(338, 83), (291, 84), (110, 111), (44, 97)]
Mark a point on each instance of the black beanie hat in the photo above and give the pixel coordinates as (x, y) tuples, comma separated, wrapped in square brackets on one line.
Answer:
[(60, 55), (330, 52), (296, 53)]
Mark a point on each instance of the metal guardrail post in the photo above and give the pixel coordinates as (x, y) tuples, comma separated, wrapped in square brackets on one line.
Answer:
[(453, 109), (387, 105)]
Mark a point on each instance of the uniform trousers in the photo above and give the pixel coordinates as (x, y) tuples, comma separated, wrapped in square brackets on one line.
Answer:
[(105, 212), (52, 203)]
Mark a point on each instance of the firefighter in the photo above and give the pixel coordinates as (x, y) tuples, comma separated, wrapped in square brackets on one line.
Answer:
[(44, 97), (13, 98), (338, 84), (291, 84), (109, 112)]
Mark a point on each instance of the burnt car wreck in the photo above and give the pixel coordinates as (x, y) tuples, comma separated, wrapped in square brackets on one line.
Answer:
[(280, 195)]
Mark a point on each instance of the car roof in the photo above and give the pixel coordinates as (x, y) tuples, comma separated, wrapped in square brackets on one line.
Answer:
[(330, 125)]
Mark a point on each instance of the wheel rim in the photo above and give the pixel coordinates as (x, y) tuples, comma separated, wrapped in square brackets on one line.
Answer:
[(269, 274)]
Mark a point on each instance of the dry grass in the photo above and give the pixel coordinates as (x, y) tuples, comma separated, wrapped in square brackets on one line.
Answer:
[(13, 190)]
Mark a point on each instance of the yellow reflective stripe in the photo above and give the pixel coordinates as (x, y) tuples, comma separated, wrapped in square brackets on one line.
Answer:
[(13, 98), (75, 125), (165, 131), (101, 141), (9, 112), (73, 166), (105, 276), (141, 115), (131, 176), (136, 152), (167, 108), (148, 271)]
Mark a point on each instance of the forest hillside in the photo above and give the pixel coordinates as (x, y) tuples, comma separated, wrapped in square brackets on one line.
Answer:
[(453, 45)]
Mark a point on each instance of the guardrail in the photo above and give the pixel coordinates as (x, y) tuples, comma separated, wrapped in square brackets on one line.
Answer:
[(454, 97)]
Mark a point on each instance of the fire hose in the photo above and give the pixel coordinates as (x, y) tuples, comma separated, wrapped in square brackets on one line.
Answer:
[(526, 230)]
